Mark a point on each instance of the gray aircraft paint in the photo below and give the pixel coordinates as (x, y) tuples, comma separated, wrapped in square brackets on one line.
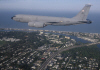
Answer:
[(42, 21)]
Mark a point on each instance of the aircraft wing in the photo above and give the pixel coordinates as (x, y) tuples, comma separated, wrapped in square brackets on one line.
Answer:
[(36, 24)]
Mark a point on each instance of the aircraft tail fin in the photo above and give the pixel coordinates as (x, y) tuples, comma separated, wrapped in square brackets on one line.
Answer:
[(82, 15)]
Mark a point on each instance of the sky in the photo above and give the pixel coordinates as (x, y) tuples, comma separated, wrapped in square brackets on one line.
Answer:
[(48, 5), (56, 8)]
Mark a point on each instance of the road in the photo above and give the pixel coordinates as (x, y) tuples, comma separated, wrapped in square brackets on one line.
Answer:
[(44, 65), (68, 62)]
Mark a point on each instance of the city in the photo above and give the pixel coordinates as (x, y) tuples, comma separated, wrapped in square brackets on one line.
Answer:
[(29, 49)]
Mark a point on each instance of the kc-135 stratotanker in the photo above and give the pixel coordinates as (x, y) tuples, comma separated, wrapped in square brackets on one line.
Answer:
[(42, 21)]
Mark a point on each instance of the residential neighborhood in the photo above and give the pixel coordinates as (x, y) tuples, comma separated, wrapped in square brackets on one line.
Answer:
[(29, 50)]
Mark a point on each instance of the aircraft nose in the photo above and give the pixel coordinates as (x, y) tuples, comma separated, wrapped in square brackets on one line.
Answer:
[(11, 17)]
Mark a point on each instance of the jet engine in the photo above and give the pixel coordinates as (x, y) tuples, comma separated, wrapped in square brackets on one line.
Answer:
[(89, 21), (36, 24)]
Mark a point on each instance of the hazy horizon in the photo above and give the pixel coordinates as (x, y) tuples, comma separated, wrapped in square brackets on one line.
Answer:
[(7, 22), (46, 5), (56, 8)]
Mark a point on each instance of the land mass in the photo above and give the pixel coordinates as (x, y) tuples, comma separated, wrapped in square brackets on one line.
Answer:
[(29, 49)]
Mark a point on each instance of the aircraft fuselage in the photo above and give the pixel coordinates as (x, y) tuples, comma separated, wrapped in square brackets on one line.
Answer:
[(42, 21)]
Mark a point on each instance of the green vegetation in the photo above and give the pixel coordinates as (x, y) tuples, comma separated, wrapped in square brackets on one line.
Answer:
[(87, 51), (29, 39), (2, 43), (23, 53), (90, 52)]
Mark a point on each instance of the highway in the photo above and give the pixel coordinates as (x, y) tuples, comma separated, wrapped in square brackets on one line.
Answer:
[(44, 65)]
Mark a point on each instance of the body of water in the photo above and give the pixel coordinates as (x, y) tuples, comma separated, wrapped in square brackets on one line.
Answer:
[(7, 22)]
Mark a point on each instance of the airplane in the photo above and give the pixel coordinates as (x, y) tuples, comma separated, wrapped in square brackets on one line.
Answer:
[(42, 21)]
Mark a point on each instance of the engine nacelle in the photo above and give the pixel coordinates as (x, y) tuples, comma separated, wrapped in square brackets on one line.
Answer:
[(36, 24), (89, 21)]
